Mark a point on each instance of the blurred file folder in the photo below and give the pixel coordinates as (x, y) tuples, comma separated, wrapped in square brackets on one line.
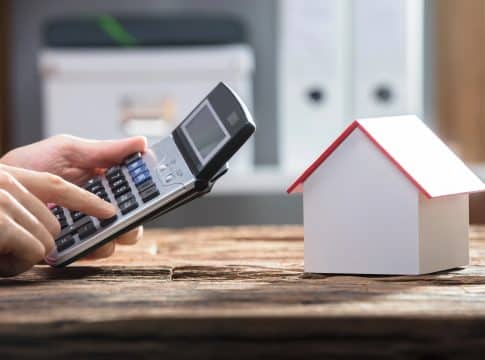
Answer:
[(342, 59), (313, 51), (388, 57)]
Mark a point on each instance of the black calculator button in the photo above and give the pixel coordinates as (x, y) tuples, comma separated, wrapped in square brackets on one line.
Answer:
[(63, 223), (116, 177), (121, 190), (132, 158), (106, 222), (76, 215), (121, 199), (145, 176), (56, 210), (64, 242), (60, 216), (73, 227), (102, 194), (96, 188), (134, 165), (128, 206), (86, 230), (149, 193), (145, 185), (92, 182), (118, 183), (112, 171)]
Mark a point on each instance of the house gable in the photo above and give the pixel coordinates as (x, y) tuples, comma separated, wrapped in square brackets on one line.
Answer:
[(350, 206)]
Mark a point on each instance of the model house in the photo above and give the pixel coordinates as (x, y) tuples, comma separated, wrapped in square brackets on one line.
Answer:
[(386, 197)]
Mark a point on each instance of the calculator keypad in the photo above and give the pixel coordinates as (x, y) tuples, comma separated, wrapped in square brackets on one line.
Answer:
[(122, 182)]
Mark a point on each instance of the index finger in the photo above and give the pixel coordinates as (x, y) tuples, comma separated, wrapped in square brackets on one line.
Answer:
[(53, 189)]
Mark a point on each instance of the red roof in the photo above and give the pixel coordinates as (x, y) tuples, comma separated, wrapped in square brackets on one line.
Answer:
[(415, 150)]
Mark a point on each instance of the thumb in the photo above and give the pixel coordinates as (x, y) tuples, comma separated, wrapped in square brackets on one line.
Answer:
[(102, 154)]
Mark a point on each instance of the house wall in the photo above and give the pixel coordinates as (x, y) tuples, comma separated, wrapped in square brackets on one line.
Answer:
[(360, 213), (443, 228)]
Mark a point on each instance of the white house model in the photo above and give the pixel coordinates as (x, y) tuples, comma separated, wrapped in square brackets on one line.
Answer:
[(387, 197)]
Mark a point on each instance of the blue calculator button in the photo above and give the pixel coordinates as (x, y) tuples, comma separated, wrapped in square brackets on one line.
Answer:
[(138, 171), (135, 165), (142, 178)]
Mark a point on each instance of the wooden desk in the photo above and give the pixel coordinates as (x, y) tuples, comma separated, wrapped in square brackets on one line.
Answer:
[(235, 293)]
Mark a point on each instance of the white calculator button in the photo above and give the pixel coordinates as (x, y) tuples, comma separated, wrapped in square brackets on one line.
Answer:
[(169, 178)]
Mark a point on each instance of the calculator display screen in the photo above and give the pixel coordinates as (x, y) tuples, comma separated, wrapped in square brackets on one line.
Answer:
[(205, 132)]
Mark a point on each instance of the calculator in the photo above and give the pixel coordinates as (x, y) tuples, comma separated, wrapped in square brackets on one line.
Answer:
[(177, 169)]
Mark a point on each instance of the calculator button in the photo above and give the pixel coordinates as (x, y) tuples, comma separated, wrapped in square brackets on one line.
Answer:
[(145, 185), (162, 167), (132, 158), (73, 228), (63, 223), (60, 216), (124, 197), (76, 215), (56, 210), (86, 230), (145, 176), (92, 182), (121, 190), (149, 193), (134, 165), (106, 222), (118, 183), (138, 171), (112, 171), (102, 194), (116, 177), (128, 206), (168, 178), (96, 188), (64, 242)]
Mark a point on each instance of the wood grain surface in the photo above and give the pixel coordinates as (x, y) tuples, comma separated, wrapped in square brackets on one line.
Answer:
[(238, 293)]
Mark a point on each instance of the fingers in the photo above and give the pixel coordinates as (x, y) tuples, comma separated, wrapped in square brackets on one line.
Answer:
[(51, 188), (128, 238), (36, 207), (131, 237), (18, 213), (26, 227), (102, 154), (19, 249), (103, 252)]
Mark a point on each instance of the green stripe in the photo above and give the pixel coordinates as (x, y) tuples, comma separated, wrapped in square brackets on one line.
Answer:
[(115, 31)]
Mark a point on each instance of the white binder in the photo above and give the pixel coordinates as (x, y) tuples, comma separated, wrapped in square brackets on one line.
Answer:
[(314, 48), (387, 57)]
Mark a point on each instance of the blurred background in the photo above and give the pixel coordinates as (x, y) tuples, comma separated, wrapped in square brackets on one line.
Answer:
[(112, 68)]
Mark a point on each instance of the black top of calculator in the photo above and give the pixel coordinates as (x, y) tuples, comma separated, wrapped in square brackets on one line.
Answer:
[(213, 132)]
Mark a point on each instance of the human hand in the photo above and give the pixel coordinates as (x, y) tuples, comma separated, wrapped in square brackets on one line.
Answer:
[(27, 226), (77, 160)]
